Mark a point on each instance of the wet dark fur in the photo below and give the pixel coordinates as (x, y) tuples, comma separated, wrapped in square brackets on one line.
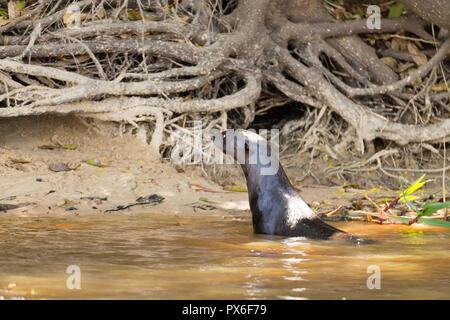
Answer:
[(271, 191)]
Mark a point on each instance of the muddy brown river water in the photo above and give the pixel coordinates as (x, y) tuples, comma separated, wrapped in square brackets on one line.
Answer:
[(151, 256)]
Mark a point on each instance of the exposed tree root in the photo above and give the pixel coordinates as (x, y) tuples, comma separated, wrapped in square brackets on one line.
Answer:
[(154, 62)]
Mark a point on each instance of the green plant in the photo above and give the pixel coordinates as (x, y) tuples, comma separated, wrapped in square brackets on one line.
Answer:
[(406, 195), (428, 209)]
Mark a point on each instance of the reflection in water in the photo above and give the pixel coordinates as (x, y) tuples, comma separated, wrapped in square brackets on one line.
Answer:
[(149, 256)]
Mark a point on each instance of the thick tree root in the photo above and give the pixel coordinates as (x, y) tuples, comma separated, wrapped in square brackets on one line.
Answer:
[(201, 57)]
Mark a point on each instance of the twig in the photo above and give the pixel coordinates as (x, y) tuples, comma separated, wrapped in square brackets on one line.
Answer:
[(89, 52), (24, 17), (34, 35), (419, 170), (371, 201), (421, 71), (35, 70)]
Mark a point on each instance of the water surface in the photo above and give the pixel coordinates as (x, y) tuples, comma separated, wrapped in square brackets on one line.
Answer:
[(151, 256)]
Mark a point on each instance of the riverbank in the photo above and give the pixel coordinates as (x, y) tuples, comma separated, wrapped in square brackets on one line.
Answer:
[(61, 166), (47, 168)]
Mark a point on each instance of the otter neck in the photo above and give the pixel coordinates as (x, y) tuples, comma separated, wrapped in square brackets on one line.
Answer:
[(258, 184)]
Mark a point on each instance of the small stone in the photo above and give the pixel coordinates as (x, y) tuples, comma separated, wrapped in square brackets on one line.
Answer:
[(58, 167)]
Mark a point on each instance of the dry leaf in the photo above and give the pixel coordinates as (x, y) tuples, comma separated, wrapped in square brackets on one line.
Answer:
[(70, 18), (404, 66), (399, 44), (390, 62), (101, 13), (235, 188), (148, 17), (4, 22), (21, 167), (411, 71), (440, 87), (13, 10), (20, 161), (200, 188), (418, 57), (48, 147)]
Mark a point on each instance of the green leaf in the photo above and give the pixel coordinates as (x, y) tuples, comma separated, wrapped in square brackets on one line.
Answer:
[(434, 222), (396, 10), (21, 5), (409, 203), (399, 219), (69, 146), (410, 198), (415, 185), (94, 162), (432, 207), (207, 200), (4, 13)]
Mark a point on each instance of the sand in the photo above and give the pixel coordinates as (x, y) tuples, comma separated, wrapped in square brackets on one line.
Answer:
[(28, 187)]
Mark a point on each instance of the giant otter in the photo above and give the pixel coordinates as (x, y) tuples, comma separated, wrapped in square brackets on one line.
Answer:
[(276, 207)]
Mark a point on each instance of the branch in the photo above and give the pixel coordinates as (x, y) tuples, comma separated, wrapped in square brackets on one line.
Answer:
[(22, 23), (112, 29), (249, 94), (306, 32), (35, 70), (292, 90), (18, 21), (368, 125), (135, 114), (177, 50), (96, 88), (421, 71)]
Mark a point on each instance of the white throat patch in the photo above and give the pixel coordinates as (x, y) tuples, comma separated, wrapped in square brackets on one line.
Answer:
[(297, 209)]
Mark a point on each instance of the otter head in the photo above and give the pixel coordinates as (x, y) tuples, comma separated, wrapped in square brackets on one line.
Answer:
[(248, 149)]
